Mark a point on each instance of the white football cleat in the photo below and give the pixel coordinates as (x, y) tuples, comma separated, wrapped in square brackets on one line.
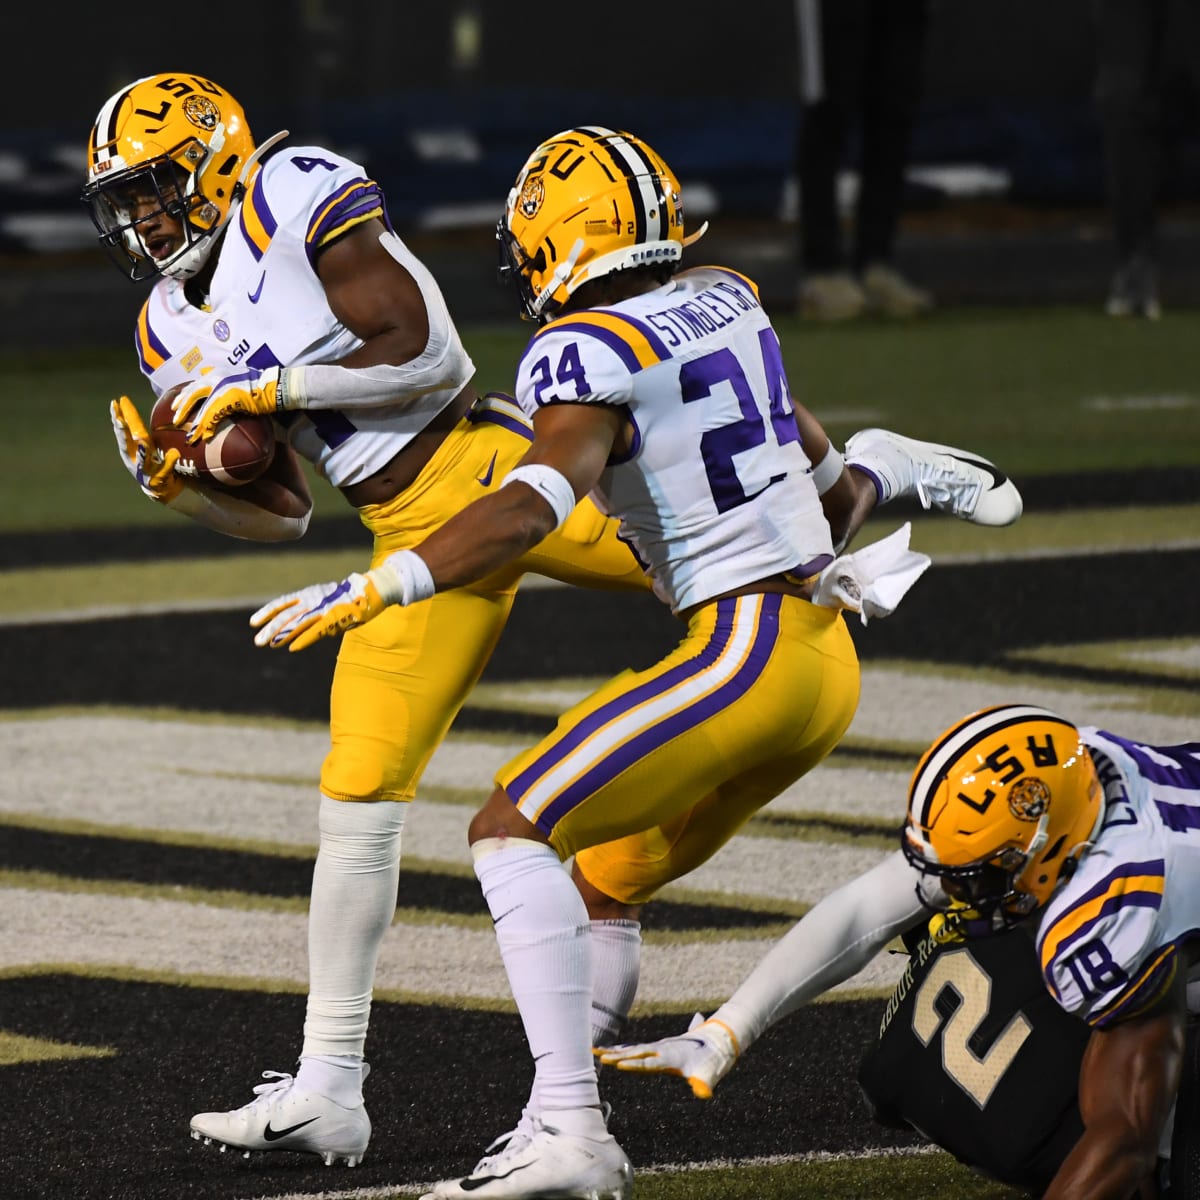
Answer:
[(703, 1056), (282, 1118), (548, 1164), (941, 477)]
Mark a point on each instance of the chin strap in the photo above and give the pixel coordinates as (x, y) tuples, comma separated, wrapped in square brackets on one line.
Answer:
[(559, 276)]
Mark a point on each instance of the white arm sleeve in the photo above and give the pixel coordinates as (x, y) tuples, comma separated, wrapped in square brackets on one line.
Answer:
[(443, 366), (831, 942), (225, 513)]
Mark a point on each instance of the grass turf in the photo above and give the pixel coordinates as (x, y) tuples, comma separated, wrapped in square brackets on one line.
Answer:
[(1045, 390)]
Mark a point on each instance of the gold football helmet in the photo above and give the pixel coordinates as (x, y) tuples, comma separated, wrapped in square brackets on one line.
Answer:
[(173, 145), (589, 201), (1000, 808)]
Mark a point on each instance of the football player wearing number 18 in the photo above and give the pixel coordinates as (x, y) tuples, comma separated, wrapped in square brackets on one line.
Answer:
[(1017, 815), (663, 395)]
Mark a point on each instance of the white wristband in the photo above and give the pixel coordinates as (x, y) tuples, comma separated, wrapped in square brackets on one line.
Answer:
[(828, 471), (291, 392), (549, 483), (403, 578)]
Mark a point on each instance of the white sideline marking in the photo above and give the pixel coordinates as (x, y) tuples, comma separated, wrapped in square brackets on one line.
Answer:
[(769, 1160), (1166, 400)]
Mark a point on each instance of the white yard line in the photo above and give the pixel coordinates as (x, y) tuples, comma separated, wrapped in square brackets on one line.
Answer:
[(175, 938)]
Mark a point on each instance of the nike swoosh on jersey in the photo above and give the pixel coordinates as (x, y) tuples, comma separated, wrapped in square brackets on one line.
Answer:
[(998, 476), (273, 1135), (254, 295), (486, 478)]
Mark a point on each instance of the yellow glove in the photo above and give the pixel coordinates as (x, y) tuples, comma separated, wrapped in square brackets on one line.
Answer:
[(298, 619), (205, 405), (152, 469), (956, 924)]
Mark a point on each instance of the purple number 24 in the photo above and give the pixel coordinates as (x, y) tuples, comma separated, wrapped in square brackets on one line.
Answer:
[(718, 446)]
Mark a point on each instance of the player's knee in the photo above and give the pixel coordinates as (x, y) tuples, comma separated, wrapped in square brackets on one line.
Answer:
[(349, 774), (500, 818)]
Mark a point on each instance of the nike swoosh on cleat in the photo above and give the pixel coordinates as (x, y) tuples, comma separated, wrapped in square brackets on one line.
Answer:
[(254, 295), (486, 477), (998, 477), (473, 1183), (273, 1135)]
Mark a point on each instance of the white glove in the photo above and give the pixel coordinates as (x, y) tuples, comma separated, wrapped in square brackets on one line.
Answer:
[(298, 619), (872, 581), (703, 1056)]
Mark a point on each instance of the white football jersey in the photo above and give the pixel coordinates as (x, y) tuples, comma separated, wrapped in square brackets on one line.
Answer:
[(716, 490), (266, 307), (1110, 939)]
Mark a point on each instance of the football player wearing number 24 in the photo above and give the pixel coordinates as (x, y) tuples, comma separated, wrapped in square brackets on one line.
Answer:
[(1019, 818), (281, 289), (628, 385)]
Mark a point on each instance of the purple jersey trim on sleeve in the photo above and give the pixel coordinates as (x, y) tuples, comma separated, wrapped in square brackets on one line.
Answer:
[(353, 203), (256, 221)]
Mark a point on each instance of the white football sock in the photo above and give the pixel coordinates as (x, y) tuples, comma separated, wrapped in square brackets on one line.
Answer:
[(352, 905), (340, 1077), (545, 940), (616, 965)]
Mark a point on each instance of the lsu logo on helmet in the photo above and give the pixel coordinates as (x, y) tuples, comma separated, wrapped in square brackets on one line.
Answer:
[(587, 202), (1028, 799), (202, 112), (1004, 859)]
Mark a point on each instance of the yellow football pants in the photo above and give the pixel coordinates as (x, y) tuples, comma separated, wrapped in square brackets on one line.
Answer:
[(653, 773), (401, 679)]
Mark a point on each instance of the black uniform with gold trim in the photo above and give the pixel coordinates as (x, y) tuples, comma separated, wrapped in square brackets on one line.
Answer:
[(975, 1054)]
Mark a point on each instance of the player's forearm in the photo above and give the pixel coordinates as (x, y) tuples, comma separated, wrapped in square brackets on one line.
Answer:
[(383, 386), (226, 513), (828, 945), (1101, 1169), (486, 536)]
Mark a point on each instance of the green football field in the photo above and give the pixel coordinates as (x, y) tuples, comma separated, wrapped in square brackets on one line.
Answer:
[(1039, 391), (1088, 601)]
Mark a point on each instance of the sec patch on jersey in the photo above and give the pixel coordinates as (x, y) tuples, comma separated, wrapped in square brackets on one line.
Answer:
[(239, 451)]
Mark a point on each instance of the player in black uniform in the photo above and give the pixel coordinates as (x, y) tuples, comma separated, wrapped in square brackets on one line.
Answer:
[(977, 1056)]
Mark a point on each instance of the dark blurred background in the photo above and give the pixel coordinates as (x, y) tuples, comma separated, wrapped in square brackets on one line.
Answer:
[(443, 101)]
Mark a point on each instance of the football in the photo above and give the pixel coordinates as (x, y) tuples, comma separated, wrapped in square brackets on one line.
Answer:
[(238, 453)]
